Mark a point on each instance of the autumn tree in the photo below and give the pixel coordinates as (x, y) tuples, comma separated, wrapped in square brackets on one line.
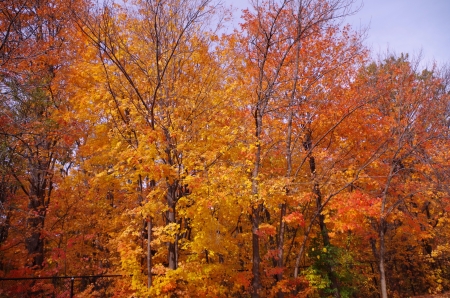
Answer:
[(283, 66), (169, 124), (410, 116), (34, 49)]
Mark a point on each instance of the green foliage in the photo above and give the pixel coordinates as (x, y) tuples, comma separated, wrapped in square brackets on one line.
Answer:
[(331, 261)]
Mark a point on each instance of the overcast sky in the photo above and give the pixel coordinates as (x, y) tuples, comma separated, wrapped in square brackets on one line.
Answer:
[(407, 26)]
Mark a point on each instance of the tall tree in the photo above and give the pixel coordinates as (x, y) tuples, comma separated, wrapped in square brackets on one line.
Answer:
[(411, 112), (33, 50), (169, 115), (273, 41)]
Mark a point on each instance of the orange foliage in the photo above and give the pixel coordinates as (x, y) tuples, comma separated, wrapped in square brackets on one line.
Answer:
[(273, 160)]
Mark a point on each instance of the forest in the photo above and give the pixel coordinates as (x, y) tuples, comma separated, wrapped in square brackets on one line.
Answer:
[(160, 148)]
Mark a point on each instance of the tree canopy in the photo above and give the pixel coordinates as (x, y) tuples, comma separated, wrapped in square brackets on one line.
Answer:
[(141, 139)]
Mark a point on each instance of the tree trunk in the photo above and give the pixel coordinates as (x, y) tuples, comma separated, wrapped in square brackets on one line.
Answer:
[(34, 243), (40, 189), (326, 240), (170, 218), (283, 206), (256, 281), (307, 144), (381, 260), (256, 211), (383, 227), (149, 252)]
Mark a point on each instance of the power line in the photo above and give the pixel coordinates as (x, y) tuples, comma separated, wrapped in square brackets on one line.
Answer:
[(60, 277)]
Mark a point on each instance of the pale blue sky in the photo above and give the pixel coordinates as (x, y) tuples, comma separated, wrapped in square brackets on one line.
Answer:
[(401, 26)]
